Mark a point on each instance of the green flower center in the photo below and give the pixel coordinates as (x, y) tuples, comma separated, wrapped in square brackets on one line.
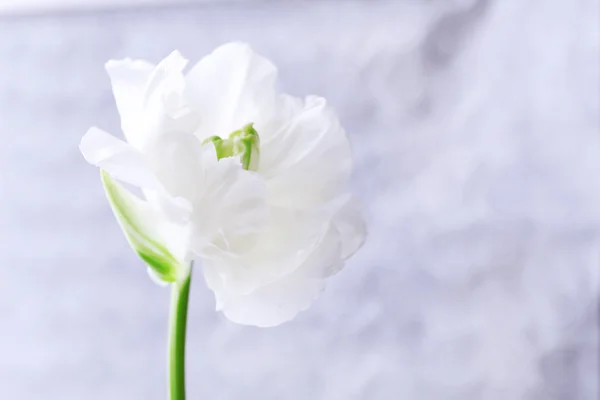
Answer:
[(243, 143)]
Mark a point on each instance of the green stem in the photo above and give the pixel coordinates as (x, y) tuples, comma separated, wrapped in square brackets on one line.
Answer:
[(177, 334)]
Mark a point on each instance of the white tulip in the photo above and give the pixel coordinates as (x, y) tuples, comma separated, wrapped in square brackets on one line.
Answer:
[(251, 182)]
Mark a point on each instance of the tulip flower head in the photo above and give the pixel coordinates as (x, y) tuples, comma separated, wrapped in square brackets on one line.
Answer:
[(250, 182)]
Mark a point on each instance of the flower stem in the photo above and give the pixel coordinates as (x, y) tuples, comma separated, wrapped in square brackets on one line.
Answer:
[(177, 334)]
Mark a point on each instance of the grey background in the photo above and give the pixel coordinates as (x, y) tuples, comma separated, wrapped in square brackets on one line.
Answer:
[(475, 126)]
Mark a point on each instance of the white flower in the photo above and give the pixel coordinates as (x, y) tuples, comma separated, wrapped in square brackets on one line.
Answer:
[(270, 218)]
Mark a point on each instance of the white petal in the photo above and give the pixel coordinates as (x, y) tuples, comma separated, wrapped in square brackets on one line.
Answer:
[(166, 109), (129, 78), (166, 73), (177, 210), (281, 300), (232, 87), (123, 162), (118, 158), (308, 161), (351, 226), (176, 159), (285, 244), (231, 210)]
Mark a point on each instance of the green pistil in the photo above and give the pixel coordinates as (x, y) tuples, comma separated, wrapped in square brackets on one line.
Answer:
[(244, 143)]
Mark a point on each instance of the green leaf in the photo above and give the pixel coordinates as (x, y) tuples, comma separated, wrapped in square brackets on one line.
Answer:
[(142, 226)]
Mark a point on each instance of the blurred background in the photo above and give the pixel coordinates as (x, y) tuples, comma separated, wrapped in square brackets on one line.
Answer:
[(476, 130)]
